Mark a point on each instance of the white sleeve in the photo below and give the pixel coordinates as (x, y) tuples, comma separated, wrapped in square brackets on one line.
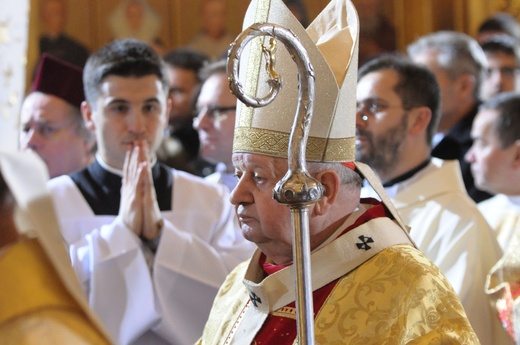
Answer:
[(112, 268), (201, 243), (202, 237)]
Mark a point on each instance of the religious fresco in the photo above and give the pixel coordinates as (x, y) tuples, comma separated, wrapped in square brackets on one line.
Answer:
[(93, 23)]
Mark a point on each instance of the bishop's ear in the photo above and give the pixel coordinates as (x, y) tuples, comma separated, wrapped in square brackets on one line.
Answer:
[(331, 184)]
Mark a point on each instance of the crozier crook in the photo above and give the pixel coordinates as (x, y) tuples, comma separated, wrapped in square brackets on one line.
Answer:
[(297, 189)]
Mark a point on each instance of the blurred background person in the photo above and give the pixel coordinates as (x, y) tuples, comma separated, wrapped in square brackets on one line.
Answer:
[(51, 121), (180, 147), (495, 160), (398, 111), (54, 40), (215, 122), (502, 73), (377, 34), (458, 63), (495, 163), (213, 39), (499, 23)]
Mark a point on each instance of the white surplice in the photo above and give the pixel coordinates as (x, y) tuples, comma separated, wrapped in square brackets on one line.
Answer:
[(447, 226), (495, 210), (169, 304)]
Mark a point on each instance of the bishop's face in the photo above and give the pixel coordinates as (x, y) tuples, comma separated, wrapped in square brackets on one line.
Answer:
[(263, 220)]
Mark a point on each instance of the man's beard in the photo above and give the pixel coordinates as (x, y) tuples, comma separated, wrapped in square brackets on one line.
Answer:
[(381, 153)]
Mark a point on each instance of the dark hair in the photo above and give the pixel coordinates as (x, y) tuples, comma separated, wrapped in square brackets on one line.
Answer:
[(417, 86), (503, 44), (186, 59), (507, 125), (125, 58), (501, 22)]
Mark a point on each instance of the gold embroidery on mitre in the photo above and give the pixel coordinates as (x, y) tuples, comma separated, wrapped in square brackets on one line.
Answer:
[(331, 137), (273, 143), (339, 150)]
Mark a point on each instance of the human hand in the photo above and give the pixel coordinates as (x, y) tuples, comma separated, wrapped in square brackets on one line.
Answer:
[(152, 218), (131, 205), (139, 208)]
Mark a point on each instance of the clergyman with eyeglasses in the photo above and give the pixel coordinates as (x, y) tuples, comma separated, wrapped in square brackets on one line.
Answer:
[(397, 115), (215, 122)]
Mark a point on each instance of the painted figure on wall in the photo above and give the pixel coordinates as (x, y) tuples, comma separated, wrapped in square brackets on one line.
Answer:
[(54, 41), (136, 19)]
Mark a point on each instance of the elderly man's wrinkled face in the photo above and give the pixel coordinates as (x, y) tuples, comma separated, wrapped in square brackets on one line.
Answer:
[(49, 128), (263, 220)]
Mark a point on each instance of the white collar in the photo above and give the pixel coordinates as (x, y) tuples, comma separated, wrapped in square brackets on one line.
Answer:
[(118, 172)]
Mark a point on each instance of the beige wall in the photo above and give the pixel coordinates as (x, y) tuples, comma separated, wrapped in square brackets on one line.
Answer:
[(13, 45), (180, 21), (87, 22), (412, 18)]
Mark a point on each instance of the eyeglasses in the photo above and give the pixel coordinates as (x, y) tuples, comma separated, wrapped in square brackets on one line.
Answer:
[(47, 129), (372, 107), (214, 113)]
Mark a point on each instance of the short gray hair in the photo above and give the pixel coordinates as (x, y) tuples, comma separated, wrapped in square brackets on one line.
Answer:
[(346, 175), (456, 53)]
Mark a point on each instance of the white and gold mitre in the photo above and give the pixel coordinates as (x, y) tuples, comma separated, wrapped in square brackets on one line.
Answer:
[(332, 44)]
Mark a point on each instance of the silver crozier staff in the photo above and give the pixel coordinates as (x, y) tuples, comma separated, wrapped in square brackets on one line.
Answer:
[(297, 189)]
